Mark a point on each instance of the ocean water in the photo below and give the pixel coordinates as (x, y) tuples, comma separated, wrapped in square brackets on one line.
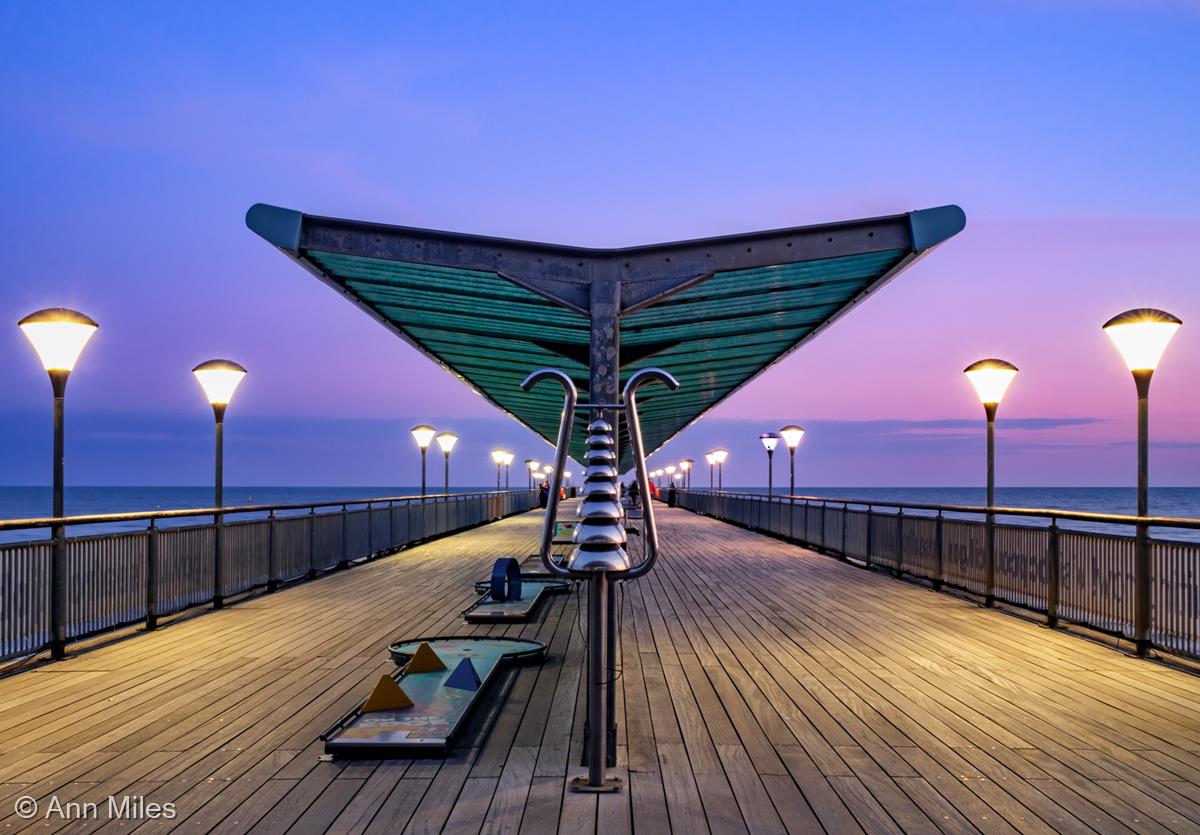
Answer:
[(33, 502)]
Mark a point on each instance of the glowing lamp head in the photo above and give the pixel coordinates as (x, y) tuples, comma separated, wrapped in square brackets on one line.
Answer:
[(670, 468), (446, 440), (719, 455), (686, 464), (498, 456), (219, 379), (792, 435), (423, 435), (58, 335), (770, 440), (546, 469), (991, 378), (1141, 336), (532, 465), (710, 457), (508, 458)]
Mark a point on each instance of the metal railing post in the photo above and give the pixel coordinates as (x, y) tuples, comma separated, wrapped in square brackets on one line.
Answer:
[(899, 542), (845, 513), (989, 560), (58, 593), (312, 543), (345, 560), (940, 570), (272, 537), (1141, 589), (152, 575), (1052, 575), (391, 508), (218, 600), (870, 525), (370, 532)]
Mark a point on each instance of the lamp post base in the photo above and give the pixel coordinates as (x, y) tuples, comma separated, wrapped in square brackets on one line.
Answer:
[(580, 785)]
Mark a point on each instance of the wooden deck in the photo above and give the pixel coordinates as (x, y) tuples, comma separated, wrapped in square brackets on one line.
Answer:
[(763, 689)]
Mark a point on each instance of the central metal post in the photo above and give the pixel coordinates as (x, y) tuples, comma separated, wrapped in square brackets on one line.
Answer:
[(604, 382)]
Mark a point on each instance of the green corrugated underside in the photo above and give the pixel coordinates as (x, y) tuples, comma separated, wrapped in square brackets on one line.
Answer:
[(713, 336)]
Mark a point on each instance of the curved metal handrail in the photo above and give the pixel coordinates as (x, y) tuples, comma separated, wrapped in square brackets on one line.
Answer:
[(570, 398), (650, 536)]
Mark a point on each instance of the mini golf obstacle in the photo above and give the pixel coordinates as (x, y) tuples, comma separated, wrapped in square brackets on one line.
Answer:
[(509, 596), (599, 555), (420, 709)]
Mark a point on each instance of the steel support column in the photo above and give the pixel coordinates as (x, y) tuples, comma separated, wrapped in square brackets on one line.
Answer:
[(604, 382)]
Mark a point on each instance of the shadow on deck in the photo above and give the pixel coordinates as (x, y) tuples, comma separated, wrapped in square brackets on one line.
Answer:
[(762, 689)]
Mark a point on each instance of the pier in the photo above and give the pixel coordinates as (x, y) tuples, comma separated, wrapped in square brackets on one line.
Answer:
[(762, 688)]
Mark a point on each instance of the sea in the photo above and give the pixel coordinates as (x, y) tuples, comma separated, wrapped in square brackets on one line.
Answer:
[(34, 502)]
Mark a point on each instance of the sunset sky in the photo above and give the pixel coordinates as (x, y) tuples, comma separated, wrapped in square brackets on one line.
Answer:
[(136, 136)]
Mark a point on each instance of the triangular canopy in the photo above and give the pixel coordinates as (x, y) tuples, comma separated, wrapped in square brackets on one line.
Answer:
[(714, 312)]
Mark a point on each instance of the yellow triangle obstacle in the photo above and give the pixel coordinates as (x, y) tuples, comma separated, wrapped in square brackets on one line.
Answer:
[(387, 695), (424, 660)]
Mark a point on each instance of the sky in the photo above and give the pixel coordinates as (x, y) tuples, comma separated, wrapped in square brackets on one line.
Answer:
[(136, 136)]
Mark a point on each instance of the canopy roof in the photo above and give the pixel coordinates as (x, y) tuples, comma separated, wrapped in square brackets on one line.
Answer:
[(715, 312)]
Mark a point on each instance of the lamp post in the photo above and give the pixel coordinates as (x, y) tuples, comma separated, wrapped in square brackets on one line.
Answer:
[(423, 435), (530, 468), (546, 471), (711, 458), (1141, 336), (686, 466), (446, 440), (792, 435), (769, 441), (498, 456), (719, 455), (219, 379), (59, 336), (991, 378), (508, 459), (670, 471)]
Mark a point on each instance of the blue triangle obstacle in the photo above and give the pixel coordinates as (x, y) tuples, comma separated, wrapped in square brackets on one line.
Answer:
[(464, 676)]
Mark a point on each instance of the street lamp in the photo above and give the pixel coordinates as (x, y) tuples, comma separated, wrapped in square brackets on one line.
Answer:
[(711, 458), (446, 440), (508, 459), (58, 335), (769, 441), (219, 379), (719, 455), (531, 466), (686, 466), (991, 379), (1141, 337), (546, 471), (670, 470), (498, 456), (792, 436), (423, 435)]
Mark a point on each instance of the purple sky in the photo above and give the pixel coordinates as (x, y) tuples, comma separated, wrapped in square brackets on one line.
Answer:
[(134, 142)]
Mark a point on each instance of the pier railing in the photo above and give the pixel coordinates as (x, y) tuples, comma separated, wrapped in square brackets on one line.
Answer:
[(1033, 562), (61, 589)]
